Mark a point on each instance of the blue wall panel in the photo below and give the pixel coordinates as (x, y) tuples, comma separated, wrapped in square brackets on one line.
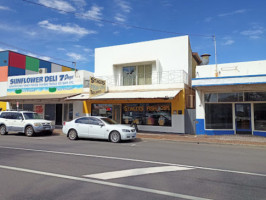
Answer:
[(259, 133), (219, 132), (14, 71), (45, 64), (200, 127), (4, 58)]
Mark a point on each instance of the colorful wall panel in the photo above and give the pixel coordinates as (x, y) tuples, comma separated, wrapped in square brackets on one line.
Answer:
[(14, 71), (4, 58), (65, 69), (32, 64), (3, 74), (29, 72), (56, 68), (17, 60), (45, 64)]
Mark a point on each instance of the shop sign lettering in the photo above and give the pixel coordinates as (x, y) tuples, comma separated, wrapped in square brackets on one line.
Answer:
[(97, 86)]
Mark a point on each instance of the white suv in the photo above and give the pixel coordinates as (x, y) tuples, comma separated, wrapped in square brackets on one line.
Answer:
[(23, 121)]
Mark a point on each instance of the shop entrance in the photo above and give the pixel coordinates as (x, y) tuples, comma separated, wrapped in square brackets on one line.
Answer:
[(243, 118), (58, 115), (117, 113)]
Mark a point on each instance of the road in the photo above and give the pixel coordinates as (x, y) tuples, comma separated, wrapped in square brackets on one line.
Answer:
[(53, 167)]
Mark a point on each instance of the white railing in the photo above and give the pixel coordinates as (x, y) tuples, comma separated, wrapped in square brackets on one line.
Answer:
[(164, 77)]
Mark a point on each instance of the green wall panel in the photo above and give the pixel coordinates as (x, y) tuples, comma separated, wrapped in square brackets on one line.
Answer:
[(32, 64)]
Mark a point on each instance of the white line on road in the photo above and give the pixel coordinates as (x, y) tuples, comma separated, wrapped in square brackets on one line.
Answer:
[(159, 192), (135, 172), (133, 160)]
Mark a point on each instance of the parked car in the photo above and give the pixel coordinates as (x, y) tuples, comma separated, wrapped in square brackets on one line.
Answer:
[(23, 121), (98, 128)]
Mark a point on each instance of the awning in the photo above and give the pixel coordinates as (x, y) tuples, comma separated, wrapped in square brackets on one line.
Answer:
[(36, 97), (166, 94)]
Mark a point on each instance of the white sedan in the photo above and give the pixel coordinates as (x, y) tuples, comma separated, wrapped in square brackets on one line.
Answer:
[(99, 128)]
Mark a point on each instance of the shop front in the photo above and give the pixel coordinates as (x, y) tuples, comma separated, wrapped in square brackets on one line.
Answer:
[(46, 94), (160, 113)]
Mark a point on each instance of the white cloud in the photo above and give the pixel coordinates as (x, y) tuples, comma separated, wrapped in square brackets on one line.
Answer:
[(80, 3), (120, 18), (61, 49), (240, 11), (58, 4), (228, 42), (76, 57), (254, 32), (95, 13), (124, 5), (68, 29), (4, 8), (45, 58)]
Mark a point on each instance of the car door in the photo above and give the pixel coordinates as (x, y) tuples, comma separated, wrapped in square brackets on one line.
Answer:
[(7, 119), (82, 127), (17, 122), (96, 130)]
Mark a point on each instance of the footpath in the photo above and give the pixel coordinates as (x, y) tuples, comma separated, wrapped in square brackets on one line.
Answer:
[(224, 139)]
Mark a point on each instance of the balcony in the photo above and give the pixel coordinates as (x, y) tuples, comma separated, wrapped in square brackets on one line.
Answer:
[(155, 78)]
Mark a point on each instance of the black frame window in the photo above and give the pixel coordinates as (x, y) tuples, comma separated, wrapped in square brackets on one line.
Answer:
[(219, 116), (260, 116)]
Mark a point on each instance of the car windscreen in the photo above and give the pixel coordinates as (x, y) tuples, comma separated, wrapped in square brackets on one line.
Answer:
[(108, 120), (32, 116)]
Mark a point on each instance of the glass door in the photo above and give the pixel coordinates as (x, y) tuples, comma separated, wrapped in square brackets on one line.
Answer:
[(243, 118)]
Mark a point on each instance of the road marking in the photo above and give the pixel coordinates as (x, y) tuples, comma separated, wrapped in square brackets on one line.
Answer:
[(134, 160), (135, 172), (130, 187)]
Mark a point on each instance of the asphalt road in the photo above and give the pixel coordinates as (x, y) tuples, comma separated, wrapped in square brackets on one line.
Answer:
[(53, 167)]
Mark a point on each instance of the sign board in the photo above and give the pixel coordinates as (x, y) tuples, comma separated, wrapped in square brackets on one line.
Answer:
[(50, 83), (39, 109), (97, 86)]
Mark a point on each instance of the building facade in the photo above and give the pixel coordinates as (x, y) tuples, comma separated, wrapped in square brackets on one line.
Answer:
[(32, 84), (148, 83), (231, 98)]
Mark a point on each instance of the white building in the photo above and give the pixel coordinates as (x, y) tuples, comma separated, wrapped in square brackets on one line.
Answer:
[(148, 83), (231, 98)]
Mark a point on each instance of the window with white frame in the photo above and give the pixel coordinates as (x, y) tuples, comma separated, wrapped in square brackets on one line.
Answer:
[(137, 75)]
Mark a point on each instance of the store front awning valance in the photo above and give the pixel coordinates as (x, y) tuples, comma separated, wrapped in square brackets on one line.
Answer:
[(36, 97), (166, 94)]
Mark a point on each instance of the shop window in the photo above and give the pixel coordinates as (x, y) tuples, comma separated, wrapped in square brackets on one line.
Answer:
[(28, 107), (49, 111), (230, 97), (70, 114), (255, 96), (260, 116), (104, 110), (218, 116), (154, 114), (65, 112), (14, 106), (211, 97)]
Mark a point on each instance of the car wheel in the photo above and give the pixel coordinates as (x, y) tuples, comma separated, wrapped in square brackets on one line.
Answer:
[(29, 131), (115, 137), (72, 134), (50, 132), (3, 130)]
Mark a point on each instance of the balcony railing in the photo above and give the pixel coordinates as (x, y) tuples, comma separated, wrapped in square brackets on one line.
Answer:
[(164, 77)]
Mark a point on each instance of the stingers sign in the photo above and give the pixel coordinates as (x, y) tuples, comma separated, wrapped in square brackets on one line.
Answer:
[(97, 86)]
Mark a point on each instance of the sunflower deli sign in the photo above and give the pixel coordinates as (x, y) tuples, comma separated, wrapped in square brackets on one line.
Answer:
[(43, 83)]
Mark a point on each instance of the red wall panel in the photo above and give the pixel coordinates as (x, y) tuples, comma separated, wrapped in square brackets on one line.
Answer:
[(17, 60)]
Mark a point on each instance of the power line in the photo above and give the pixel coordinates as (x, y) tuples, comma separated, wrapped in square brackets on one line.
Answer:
[(27, 51), (119, 23)]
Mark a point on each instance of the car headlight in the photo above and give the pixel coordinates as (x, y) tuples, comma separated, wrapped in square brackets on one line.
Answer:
[(126, 130), (37, 124)]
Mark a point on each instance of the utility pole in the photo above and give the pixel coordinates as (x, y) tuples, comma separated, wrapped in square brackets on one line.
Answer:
[(216, 67)]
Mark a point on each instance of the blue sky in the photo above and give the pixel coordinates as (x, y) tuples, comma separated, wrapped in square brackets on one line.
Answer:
[(239, 27)]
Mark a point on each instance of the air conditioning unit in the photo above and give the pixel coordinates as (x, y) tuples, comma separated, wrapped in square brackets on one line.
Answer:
[(42, 70)]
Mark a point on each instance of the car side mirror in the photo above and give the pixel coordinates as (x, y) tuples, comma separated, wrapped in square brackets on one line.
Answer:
[(101, 124)]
